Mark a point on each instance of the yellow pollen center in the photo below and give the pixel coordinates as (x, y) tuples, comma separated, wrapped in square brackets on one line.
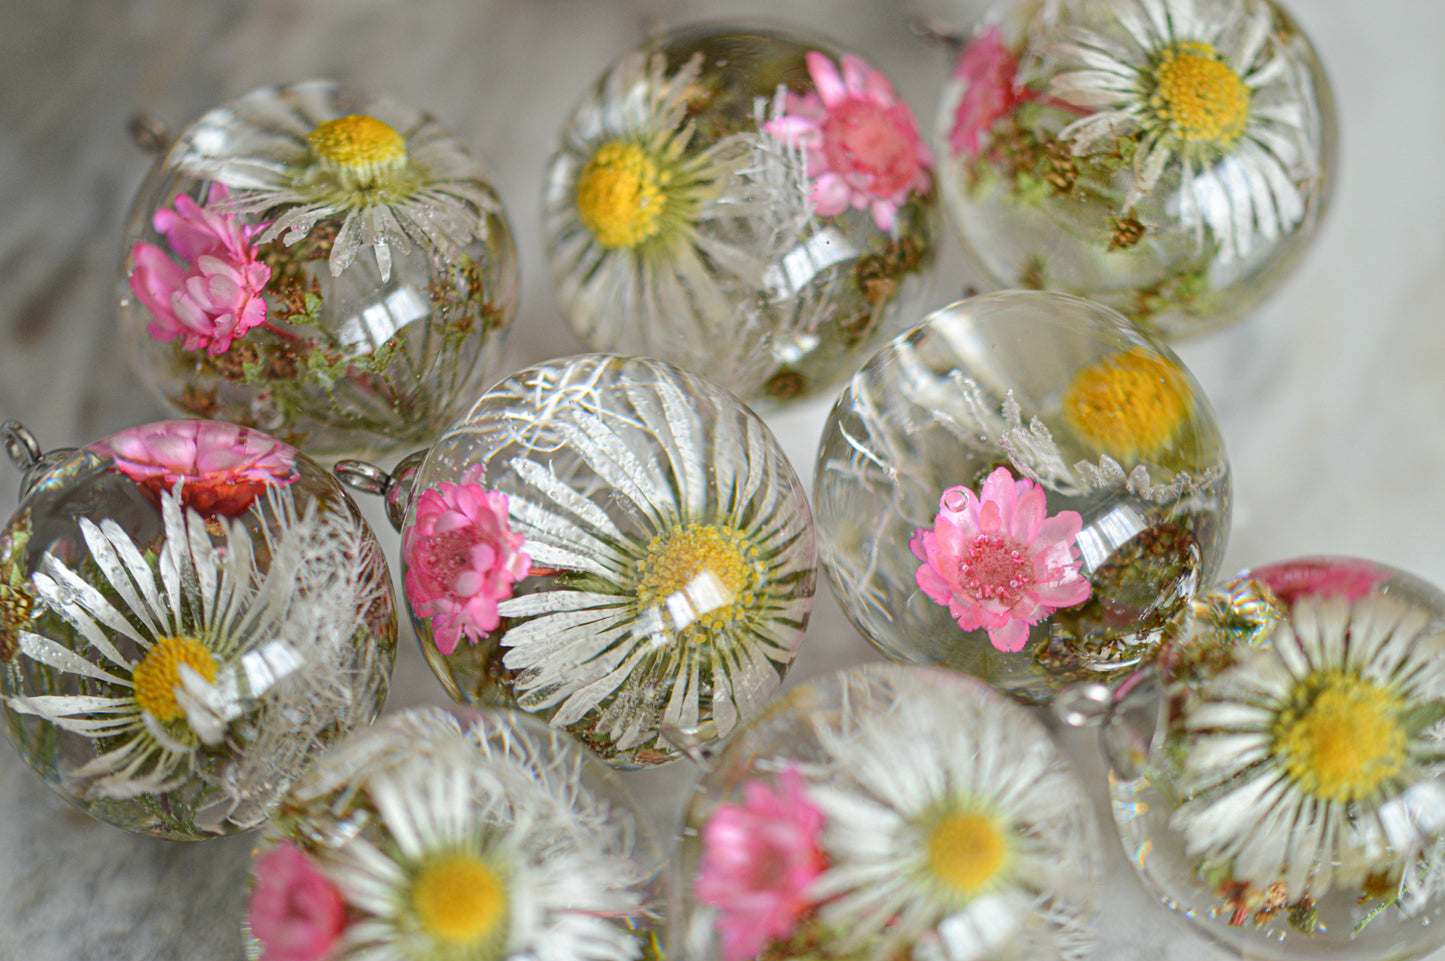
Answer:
[(1129, 404), (459, 900), (620, 195), (1341, 739), (1199, 95), (158, 674), (706, 564), (358, 143), (966, 851)]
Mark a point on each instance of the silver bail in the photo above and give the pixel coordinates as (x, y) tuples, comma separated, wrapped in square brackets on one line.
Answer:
[(395, 488), (25, 453)]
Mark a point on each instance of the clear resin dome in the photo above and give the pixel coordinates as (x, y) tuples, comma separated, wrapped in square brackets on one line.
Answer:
[(192, 612), (888, 812), (320, 264), (746, 203), (613, 544), (1026, 487), (1169, 158), (1291, 803)]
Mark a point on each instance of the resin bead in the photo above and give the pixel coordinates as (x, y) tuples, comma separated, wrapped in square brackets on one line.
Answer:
[(1292, 800), (748, 204), (191, 612), (1169, 158), (1026, 487), (320, 264), (615, 545), (445, 835), (888, 812)]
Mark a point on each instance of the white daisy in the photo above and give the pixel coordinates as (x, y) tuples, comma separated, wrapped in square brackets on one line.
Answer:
[(951, 825), (185, 663), (1211, 93), (385, 174), (1306, 763), (681, 545)]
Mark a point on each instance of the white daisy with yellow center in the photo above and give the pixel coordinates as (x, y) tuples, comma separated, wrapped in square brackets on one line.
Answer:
[(1304, 760)]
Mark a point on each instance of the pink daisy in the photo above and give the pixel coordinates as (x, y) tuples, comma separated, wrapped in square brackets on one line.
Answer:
[(861, 142), (1320, 577), (221, 467), (295, 911), (214, 294), (462, 559), (998, 561), (758, 859)]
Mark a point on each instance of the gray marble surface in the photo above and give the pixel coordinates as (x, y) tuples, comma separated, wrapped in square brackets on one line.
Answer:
[(1330, 397)]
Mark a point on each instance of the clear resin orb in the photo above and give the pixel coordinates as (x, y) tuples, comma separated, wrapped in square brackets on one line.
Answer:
[(748, 204), (1026, 487), (1169, 158), (191, 612), (888, 812), (615, 545), (1292, 800), (320, 264), (469, 835)]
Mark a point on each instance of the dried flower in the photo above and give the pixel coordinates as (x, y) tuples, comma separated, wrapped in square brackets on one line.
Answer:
[(295, 911), (988, 68), (861, 142), (998, 561), (214, 294), (462, 559), (1320, 577)]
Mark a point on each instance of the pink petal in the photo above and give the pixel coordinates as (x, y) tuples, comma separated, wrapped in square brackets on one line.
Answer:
[(1010, 638), (830, 195), (829, 85)]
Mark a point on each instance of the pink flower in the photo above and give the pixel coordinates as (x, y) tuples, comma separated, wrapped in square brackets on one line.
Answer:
[(295, 911), (214, 293), (1320, 577), (758, 859), (988, 69), (861, 143), (222, 468), (997, 561), (462, 559)]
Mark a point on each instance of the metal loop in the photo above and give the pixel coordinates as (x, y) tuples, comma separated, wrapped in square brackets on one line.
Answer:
[(150, 133), (364, 477), (935, 32), (21, 445)]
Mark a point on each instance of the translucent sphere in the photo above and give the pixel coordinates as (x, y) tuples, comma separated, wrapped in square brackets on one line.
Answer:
[(1292, 800), (191, 611), (443, 834), (748, 204), (1171, 159), (320, 264), (888, 811), (616, 545), (1025, 487)]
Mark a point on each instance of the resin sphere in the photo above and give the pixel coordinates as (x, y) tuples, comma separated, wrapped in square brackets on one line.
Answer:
[(1292, 800), (613, 544), (888, 811), (1026, 487), (1169, 158), (748, 204), (320, 264), (450, 834), (192, 610)]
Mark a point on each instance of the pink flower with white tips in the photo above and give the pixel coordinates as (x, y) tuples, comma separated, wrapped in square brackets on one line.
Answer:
[(462, 559), (862, 144), (998, 561), (214, 294)]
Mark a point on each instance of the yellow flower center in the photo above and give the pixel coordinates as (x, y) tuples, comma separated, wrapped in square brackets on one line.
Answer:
[(620, 195), (358, 144), (158, 674), (459, 900), (1129, 404), (1341, 738), (1199, 95), (701, 572), (967, 851)]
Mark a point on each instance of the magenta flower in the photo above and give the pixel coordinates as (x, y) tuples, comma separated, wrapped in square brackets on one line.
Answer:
[(861, 142), (462, 559), (295, 911), (1320, 577), (214, 294), (758, 859), (222, 468), (988, 69), (997, 561)]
